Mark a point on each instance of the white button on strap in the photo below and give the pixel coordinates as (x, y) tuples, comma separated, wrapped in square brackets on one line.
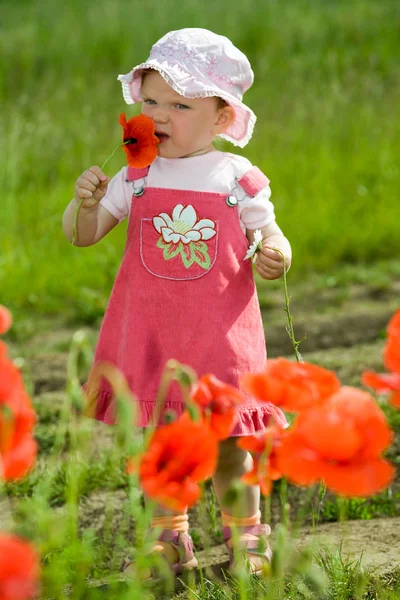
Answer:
[(231, 201), (138, 191)]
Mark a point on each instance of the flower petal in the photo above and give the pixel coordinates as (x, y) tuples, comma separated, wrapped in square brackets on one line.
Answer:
[(178, 457), (204, 223), (144, 151), (188, 215), (192, 235), (175, 237), (5, 319), (359, 480), (207, 233), (258, 236), (323, 428), (292, 386), (176, 213), (250, 252), (381, 382), (391, 353), (170, 236), (160, 223), (395, 399), (167, 219), (393, 327)]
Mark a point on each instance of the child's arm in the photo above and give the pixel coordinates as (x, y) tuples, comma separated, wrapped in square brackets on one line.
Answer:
[(94, 221), (269, 263)]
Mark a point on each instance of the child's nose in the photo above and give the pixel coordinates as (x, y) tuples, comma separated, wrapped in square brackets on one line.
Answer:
[(160, 115)]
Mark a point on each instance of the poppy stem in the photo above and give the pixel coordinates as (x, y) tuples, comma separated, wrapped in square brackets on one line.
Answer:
[(75, 221), (166, 379), (5, 503), (289, 328)]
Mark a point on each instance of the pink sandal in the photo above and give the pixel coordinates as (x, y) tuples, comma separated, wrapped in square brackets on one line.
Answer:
[(257, 547), (183, 544)]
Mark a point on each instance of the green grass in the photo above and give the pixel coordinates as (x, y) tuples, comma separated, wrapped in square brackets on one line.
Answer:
[(326, 95)]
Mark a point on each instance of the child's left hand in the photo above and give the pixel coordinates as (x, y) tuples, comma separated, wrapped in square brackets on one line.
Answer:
[(269, 263)]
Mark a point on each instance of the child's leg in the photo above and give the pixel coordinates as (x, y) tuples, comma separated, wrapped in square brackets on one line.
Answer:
[(233, 462)]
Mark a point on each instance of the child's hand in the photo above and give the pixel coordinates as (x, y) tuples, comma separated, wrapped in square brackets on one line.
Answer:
[(269, 263), (92, 186)]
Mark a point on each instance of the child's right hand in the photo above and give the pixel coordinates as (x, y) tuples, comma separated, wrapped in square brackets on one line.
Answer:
[(91, 186)]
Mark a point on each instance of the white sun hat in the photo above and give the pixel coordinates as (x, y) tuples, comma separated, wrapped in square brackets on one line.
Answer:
[(198, 63)]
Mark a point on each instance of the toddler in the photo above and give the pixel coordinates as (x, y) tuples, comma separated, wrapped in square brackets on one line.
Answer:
[(184, 290)]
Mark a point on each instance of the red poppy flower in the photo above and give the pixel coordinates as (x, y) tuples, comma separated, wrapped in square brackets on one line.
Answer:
[(384, 383), (339, 442), (179, 456), (140, 133), (5, 319), (17, 418), (388, 382), (393, 327), (218, 402), (19, 568), (262, 447), (291, 386)]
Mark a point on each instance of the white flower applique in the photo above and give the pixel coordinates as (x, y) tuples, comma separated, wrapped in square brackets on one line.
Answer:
[(183, 235), (255, 246)]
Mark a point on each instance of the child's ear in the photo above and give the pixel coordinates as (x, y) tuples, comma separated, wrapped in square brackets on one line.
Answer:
[(225, 119)]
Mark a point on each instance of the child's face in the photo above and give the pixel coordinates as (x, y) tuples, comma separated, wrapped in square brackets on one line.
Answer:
[(189, 125)]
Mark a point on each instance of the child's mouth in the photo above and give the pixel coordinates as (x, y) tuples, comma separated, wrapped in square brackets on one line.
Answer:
[(162, 136)]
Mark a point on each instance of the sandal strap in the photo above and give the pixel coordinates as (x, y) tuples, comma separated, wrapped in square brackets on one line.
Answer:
[(252, 546), (182, 542), (260, 529)]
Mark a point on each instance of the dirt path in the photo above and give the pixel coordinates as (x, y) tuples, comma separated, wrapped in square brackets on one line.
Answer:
[(376, 542)]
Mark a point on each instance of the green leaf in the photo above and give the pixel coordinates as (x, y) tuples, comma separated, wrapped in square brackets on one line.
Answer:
[(186, 254), (195, 252), (171, 250), (200, 254), (161, 243)]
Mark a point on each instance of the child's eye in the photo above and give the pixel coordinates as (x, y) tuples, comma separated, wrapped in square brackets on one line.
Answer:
[(149, 101), (182, 106)]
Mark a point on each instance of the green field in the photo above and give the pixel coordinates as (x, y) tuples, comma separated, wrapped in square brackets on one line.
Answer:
[(326, 94)]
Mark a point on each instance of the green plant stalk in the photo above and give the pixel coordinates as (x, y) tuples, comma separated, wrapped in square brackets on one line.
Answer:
[(289, 328), (75, 221), (6, 507)]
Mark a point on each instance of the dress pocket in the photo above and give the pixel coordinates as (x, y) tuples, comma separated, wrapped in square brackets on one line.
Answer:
[(179, 248)]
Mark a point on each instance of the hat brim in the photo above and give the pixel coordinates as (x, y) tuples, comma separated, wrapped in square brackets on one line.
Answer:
[(238, 133)]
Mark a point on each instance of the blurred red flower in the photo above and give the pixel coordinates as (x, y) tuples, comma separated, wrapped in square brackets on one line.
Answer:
[(393, 327), (388, 382), (5, 319), (179, 456), (19, 568), (339, 442), (262, 447), (291, 386), (141, 150), (18, 448), (218, 402)]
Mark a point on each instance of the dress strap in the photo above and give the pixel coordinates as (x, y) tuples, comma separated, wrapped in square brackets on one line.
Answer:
[(253, 181), (134, 173), (247, 186)]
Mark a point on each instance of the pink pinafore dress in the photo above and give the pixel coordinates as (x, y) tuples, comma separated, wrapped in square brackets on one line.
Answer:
[(184, 292)]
